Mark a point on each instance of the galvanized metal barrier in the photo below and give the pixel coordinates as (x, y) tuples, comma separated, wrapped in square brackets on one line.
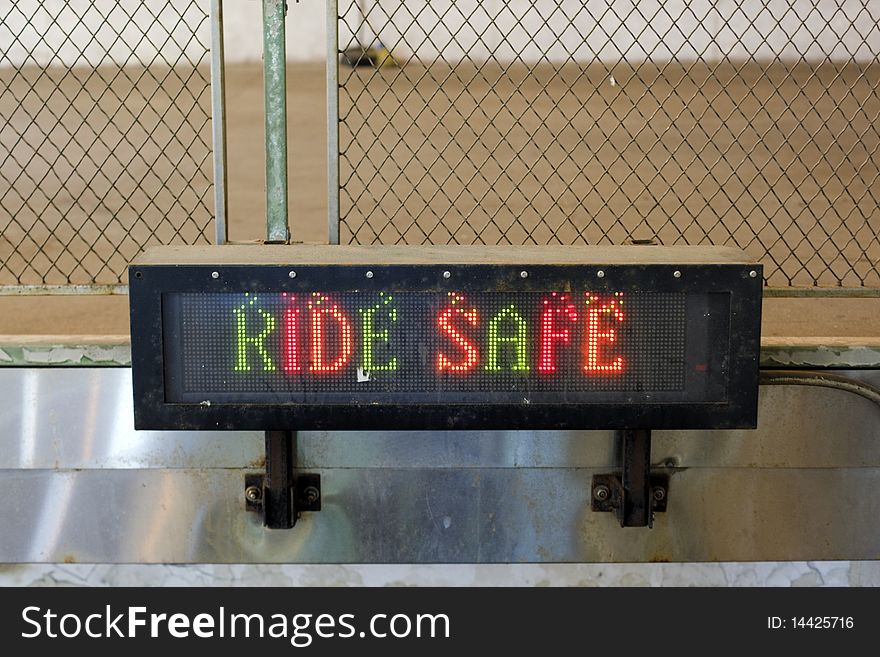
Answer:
[(85, 487), (738, 123)]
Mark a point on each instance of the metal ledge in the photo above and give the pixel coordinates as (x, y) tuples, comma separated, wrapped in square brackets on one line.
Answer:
[(115, 351)]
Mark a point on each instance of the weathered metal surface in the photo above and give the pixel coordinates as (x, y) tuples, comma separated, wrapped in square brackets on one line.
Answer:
[(275, 84), (82, 485), (65, 351), (81, 418), (437, 515), (823, 353), (72, 418)]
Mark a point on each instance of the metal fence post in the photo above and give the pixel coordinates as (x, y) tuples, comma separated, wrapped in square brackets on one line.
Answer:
[(275, 83), (280, 445), (218, 122), (332, 122)]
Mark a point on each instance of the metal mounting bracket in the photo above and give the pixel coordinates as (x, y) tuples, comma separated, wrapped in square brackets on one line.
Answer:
[(281, 494), (635, 494)]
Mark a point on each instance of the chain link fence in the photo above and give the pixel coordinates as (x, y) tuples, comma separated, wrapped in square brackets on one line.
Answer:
[(105, 136), (754, 124)]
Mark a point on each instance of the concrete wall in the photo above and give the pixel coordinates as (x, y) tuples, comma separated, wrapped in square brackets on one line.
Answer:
[(586, 29)]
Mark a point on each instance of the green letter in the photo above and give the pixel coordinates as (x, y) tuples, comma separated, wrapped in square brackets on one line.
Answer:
[(519, 340), (371, 335), (243, 339)]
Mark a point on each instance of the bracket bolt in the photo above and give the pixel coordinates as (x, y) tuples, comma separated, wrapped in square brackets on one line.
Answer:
[(253, 494), (601, 492), (447, 274), (524, 274), (369, 274), (600, 274), (659, 493), (291, 274), (753, 274), (215, 274), (311, 494), (676, 274)]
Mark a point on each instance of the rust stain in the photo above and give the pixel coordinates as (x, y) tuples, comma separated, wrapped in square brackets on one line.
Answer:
[(69, 558), (257, 464)]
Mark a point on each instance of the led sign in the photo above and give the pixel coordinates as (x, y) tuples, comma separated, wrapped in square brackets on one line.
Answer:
[(388, 338)]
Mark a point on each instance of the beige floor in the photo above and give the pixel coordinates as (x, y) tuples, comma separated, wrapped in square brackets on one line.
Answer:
[(782, 160), (307, 161)]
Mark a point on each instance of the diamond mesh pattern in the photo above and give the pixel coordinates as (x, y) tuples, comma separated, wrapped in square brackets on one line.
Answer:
[(105, 135), (563, 122)]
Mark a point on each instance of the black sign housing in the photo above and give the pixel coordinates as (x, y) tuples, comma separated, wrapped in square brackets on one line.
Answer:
[(334, 337)]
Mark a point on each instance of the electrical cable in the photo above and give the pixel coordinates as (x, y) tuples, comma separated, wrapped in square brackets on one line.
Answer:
[(820, 379)]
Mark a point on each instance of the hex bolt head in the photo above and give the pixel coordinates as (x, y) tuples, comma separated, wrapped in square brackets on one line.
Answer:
[(215, 274), (447, 274), (253, 494), (369, 274), (311, 494), (601, 492), (658, 493)]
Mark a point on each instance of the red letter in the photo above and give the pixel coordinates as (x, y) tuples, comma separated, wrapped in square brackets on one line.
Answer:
[(319, 310), (291, 335), (444, 323), (546, 362), (594, 336)]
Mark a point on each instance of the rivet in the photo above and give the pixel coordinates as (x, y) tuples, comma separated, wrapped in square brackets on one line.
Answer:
[(524, 274), (215, 274), (291, 274), (753, 274), (447, 274), (600, 274), (369, 274), (676, 273)]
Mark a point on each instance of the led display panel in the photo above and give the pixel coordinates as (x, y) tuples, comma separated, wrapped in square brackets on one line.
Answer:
[(477, 345)]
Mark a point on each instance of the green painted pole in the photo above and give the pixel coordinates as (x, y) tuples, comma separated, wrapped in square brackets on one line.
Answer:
[(275, 86), (278, 509)]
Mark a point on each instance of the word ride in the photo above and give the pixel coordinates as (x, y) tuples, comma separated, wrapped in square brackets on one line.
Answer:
[(507, 344)]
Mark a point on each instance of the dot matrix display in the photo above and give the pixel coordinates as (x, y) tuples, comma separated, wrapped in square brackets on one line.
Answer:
[(441, 347)]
